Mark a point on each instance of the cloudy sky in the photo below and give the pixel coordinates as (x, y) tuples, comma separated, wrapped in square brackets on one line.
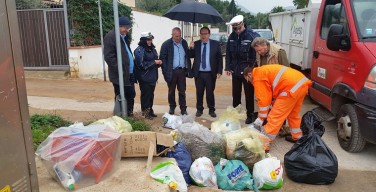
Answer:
[(263, 6)]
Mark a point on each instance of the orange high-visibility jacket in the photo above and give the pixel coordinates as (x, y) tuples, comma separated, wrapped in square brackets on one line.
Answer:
[(275, 81)]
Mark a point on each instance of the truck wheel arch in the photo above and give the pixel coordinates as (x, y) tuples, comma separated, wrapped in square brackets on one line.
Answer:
[(340, 95)]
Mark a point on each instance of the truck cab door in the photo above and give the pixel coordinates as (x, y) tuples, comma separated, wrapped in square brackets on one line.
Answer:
[(330, 67)]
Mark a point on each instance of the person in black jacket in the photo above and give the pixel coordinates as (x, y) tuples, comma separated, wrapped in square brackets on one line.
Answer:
[(110, 56), (176, 66), (207, 68), (239, 55), (146, 70)]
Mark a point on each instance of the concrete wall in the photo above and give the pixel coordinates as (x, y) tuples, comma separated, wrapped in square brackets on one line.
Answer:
[(86, 62), (160, 27)]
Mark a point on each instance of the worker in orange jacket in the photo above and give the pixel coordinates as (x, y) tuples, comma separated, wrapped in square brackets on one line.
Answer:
[(287, 87)]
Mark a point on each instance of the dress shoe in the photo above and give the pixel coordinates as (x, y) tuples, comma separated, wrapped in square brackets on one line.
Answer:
[(130, 114), (171, 111), (212, 114), (290, 139), (198, 113), (152, 114), (183, 112)]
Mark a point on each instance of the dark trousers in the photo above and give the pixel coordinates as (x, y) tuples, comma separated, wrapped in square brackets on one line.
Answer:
[(178, 81), (237, 83), (205, 81), (147, 95), (129, 93)]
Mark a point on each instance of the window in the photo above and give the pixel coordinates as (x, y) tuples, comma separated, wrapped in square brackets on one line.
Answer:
[(333, 14)]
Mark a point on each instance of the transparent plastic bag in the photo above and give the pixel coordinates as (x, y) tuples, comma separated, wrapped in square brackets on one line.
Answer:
[(246, 144), (80, 156), (229, 120), (117, 123), (201, 142)]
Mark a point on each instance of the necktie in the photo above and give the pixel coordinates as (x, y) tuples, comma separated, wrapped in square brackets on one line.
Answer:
[(203, 57)]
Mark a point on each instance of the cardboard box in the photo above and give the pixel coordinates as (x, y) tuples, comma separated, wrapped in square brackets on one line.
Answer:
[(137, 144)]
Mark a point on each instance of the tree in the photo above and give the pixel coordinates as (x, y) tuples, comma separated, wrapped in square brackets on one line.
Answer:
[(84, 20), (158, 7), (277, 9), (300, 3), (28, 4)]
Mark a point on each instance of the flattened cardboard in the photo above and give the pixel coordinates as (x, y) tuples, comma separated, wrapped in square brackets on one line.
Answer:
[(137, 144)]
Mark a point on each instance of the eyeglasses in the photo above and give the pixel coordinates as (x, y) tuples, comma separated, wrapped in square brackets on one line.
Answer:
[(149, 39)]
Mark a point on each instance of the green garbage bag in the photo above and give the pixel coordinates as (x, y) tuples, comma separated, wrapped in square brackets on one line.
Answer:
[(233, 175)]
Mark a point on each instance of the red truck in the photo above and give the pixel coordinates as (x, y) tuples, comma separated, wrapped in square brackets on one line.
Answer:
[(335, 40)]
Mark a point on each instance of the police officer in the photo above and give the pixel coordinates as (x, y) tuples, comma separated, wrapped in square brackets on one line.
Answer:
[(239, 55)]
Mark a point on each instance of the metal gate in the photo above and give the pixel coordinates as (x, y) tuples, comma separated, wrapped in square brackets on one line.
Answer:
[(43, 39)]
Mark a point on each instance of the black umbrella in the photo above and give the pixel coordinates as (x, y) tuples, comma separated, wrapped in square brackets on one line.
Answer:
[(194, 12)]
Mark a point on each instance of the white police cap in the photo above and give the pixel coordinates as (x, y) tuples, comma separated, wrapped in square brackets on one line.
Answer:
[(236, 20), (147, 35)]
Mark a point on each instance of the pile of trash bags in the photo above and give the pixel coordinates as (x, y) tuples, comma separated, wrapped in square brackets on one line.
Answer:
[(230, 157)]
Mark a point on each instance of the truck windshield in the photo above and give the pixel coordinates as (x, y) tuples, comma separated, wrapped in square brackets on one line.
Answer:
[(365, 17)]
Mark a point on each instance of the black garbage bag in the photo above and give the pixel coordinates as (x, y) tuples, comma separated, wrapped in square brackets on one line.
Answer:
[(310, 160), (310, 122)]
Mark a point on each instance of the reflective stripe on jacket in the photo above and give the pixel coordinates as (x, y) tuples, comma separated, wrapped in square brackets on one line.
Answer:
[(275, 81)]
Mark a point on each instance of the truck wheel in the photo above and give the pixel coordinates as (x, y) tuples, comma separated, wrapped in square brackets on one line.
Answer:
[(348, 132)]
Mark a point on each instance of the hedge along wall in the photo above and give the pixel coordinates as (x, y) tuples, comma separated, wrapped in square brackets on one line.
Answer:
[(83, 17)]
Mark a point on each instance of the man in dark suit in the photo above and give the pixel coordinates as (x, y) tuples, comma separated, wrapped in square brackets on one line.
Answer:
[(207, 68)]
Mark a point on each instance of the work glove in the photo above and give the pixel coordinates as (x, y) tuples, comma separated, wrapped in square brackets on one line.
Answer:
[(258, 123)]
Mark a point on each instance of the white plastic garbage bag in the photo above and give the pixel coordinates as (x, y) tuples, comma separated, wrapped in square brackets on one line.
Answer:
[(202, 172), (169, 173), (267, 173)]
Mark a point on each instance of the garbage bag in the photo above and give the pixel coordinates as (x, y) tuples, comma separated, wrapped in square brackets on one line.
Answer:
[(202, 173), (251, 138), (201, 142), (169, 173), (267, 173), (183, 158), (229, 120), (311, 161), (233, 175), (311, 123)]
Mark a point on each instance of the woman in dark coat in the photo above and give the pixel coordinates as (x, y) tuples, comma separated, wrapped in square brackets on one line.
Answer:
[(146, 69)]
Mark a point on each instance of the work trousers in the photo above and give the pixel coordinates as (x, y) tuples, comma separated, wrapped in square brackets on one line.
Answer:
[(286, 107)]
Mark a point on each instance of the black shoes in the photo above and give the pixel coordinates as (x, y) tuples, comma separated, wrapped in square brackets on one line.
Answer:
[(249, 120), (290, 139), (130, 114), (171, 111), (152, 114), (198, 113), (184, 112), (212, 114)]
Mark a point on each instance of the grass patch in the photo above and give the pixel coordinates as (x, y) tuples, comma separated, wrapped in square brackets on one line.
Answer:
[(138, 124), (43, 125)]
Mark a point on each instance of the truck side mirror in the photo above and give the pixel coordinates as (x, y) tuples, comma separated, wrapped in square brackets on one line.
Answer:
[(337, 40)]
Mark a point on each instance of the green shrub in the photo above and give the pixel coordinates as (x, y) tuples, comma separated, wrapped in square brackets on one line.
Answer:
[(83, 18), (44, 125), (138, 124)]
